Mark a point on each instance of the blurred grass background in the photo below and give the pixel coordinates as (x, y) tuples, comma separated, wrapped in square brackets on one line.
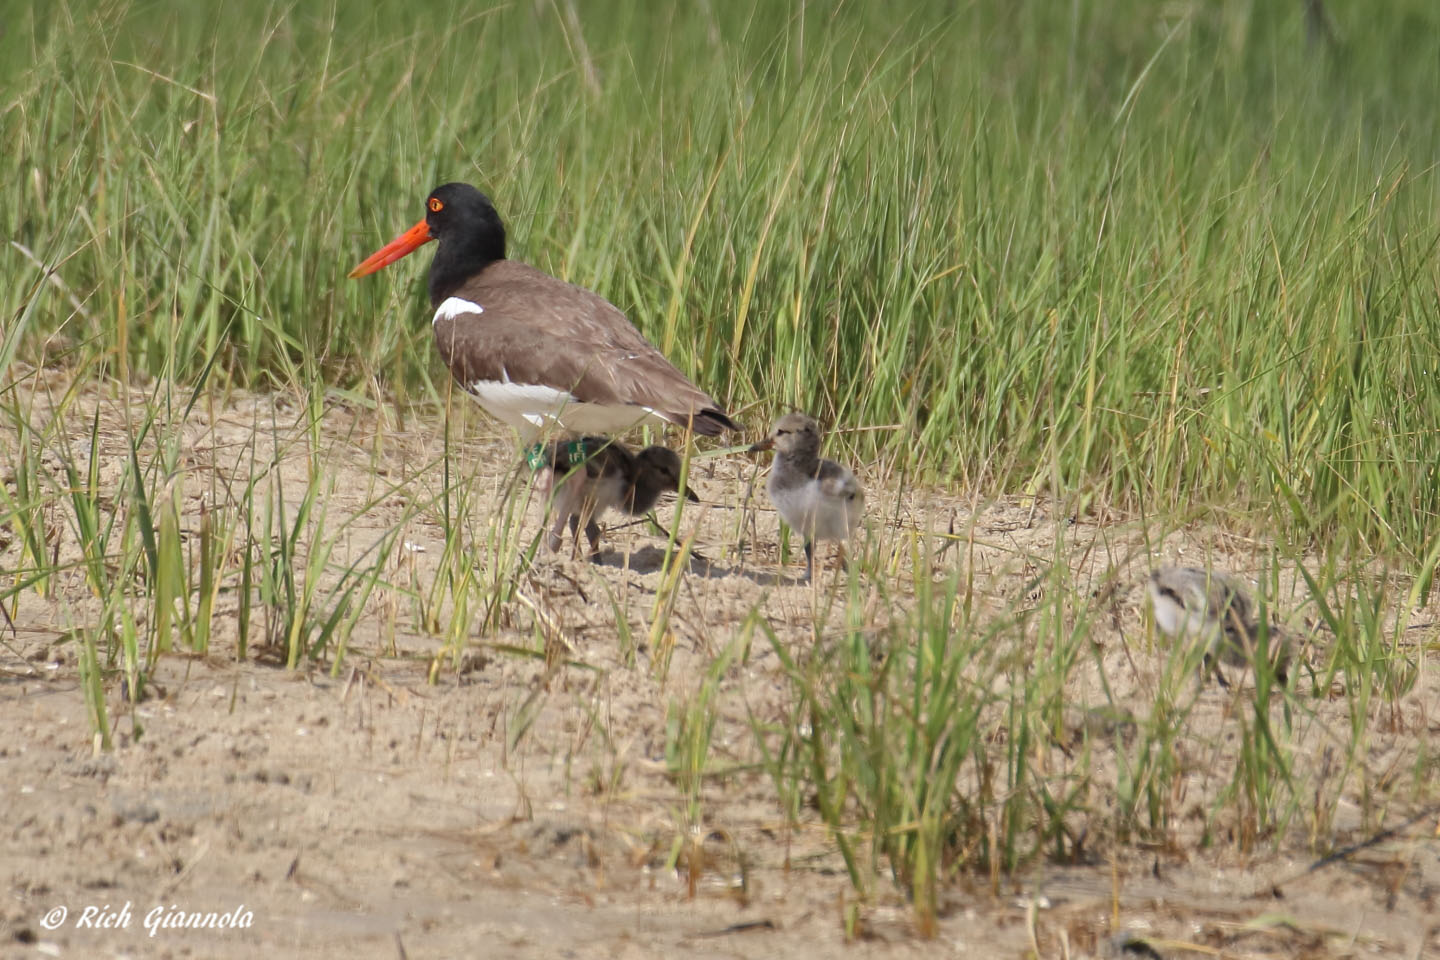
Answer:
[(1154, 256)]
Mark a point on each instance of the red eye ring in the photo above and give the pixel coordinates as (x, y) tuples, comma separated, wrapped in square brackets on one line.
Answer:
[(435, 205)]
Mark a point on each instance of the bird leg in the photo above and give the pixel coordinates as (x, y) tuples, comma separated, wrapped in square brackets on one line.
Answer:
[(544, 480), (585, 516), (809, 560), (562, 504), (556, 535)]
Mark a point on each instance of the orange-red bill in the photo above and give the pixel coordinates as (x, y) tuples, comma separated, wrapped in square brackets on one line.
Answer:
[(402, 246)]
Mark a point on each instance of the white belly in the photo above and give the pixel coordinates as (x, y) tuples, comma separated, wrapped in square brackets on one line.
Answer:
[(816, 516)]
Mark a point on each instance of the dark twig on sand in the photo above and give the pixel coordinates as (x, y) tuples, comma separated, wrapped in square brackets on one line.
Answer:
[(1346, 853)]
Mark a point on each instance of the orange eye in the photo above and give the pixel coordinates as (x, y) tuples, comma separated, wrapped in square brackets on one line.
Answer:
[(435, 205)]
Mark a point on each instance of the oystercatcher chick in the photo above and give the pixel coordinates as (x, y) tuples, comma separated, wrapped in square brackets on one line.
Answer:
[(1211, 607), (819, 499), (596, 474)]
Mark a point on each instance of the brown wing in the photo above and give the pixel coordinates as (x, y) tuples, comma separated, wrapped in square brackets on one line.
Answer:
[(836, 481), (535, 329), (1228, 602)]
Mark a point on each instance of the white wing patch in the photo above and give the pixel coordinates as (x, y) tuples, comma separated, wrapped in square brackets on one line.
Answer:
[(453, 307), (532, 408), (522, 405)]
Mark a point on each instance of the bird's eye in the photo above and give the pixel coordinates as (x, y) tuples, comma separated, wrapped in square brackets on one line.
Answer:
[(435, 205)]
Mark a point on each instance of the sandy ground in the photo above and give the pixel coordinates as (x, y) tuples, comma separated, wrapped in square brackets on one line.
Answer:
[(512, 807)]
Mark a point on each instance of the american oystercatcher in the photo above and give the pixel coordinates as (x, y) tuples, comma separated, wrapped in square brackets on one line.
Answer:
[(606, 474), (819, 499), (1211, 607), (538, 353)]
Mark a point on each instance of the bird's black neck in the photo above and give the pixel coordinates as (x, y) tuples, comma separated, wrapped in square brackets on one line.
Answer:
[(460, 258)]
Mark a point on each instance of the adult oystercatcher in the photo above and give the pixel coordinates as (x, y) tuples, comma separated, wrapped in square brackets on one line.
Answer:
[(819, 499), (536, 352)]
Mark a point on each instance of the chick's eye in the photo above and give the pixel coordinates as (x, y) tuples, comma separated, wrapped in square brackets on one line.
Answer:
[(435, 205)]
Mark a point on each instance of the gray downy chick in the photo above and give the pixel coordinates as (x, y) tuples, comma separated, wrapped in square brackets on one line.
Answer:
[(1212, 607), (818, 499), (596, 474)]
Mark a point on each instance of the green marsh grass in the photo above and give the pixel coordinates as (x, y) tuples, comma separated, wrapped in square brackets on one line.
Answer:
[(1151, 256), (885, 726), (690, 725), (1174, 262)]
